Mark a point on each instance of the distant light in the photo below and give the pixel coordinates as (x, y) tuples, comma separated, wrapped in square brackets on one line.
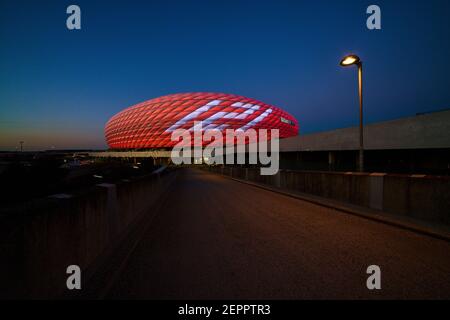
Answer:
[(135, 167), (97, 176), (350, 60), (61, 196)]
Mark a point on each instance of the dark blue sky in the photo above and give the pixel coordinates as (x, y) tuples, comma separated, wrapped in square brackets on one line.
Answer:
[(59, 87)]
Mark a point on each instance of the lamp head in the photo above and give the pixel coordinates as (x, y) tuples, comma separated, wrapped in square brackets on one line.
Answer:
[(350, 60)]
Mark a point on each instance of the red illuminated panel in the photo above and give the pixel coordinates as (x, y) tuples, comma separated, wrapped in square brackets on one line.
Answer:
[(150, 124)]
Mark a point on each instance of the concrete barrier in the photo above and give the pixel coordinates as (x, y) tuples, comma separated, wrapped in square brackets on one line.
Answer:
[(79, 230), (423, 197), (417, 196)]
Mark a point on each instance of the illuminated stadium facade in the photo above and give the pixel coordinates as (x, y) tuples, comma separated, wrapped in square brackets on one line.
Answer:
[(150, 124)]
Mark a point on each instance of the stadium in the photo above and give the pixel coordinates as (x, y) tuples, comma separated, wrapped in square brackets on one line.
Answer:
[(150, 124)]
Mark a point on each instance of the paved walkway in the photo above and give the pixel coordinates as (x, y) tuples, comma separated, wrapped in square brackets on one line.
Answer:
[(215, 238)]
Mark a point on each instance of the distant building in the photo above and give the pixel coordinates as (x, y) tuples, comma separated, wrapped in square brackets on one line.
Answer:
[(150, 124)]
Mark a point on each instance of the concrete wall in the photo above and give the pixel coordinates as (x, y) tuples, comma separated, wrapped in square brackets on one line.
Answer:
[(46, 237), (426, 131), (423, 197), (417, 196)]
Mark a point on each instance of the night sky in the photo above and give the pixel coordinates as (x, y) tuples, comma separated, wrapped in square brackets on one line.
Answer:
[(59, 87)]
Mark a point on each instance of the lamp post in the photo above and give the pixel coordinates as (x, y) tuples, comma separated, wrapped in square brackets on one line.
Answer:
[(346, 62)]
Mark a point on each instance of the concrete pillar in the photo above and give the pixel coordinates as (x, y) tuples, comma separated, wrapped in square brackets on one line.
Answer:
[(282, 179), (331, 161), (376, 185), (278, 179)]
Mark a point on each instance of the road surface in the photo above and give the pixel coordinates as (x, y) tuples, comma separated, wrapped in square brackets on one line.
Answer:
[(215, 238)]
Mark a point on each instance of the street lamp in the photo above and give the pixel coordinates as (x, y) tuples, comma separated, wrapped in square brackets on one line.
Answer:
[(346, 62)]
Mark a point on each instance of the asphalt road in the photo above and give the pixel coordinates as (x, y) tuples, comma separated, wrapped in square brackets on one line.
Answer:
[(215, 238)]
